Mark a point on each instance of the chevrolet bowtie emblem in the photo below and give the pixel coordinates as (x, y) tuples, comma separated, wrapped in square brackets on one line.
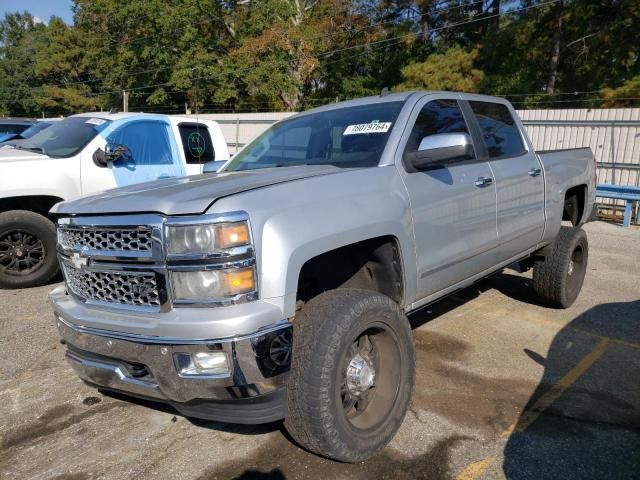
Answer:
[(79, 261)]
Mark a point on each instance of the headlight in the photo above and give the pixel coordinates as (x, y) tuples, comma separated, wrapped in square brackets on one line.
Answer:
[(206, 238), (206, 285)]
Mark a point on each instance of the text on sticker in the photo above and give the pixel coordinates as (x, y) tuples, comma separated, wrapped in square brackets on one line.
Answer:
[(373, 127)]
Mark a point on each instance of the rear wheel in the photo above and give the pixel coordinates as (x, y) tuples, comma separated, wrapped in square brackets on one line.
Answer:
[(352, 374), (27, 249), (558, 279)]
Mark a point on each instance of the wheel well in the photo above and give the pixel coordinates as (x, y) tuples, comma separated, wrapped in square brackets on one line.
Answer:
[(574, 201), (372, 264), (34, 203)]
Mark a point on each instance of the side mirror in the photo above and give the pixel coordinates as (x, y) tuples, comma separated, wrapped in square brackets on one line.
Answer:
[(111, 153), (440, 148), (213, 166)]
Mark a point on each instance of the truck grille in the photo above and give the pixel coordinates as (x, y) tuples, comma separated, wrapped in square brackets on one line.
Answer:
[(115, 239), (139, 288)]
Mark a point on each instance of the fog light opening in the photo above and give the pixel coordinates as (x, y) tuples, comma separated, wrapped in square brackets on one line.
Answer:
[(202, 364)]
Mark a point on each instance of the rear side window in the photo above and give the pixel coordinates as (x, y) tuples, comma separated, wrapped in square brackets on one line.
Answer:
[(196, 142), (499, 130), (437, 116)]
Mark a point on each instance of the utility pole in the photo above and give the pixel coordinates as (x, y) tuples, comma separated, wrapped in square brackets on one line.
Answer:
[(125, 101)]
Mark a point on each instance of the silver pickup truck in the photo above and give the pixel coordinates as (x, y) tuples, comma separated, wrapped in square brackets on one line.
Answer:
[(280, 287)]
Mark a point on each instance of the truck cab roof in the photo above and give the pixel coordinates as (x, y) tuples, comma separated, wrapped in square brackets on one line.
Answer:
[(401, 97)]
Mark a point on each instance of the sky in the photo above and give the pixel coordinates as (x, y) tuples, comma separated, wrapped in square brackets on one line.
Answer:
[(43, 9)]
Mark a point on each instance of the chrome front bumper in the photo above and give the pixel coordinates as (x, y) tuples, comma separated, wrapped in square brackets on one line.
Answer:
[(253, 391)]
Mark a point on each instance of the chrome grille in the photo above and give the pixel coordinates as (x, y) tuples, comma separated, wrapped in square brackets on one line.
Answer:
[(114, 239), (139, 288)]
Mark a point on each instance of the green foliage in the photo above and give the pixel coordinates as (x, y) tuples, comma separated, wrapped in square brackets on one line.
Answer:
[(296, 54), (626, 95), (453, 70)]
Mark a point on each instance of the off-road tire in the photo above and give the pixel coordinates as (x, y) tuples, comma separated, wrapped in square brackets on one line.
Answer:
[(40, 227), (558, 277), (323, 333)]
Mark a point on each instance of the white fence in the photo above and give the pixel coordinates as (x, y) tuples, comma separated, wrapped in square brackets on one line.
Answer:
[(612, 134)]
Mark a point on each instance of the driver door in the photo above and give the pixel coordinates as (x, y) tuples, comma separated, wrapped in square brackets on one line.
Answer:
[(153, 155), (454, 214)]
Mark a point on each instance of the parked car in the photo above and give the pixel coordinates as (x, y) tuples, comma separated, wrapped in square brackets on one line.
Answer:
[(83, 154), (11, 127), (280, 287), (19, 138)]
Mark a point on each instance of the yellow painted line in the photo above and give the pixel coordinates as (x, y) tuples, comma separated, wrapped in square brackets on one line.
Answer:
[(476, 469), (557, 389)]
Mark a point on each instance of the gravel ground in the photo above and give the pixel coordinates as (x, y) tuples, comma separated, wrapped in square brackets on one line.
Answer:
[(505, 389)]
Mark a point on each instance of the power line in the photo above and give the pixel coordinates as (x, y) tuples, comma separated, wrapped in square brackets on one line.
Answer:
[(446, 27)]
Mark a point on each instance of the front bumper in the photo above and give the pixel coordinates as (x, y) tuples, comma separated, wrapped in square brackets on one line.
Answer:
[(252, 392)]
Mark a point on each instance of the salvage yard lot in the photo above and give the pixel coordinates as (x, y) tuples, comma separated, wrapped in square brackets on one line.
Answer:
[(504, 388)]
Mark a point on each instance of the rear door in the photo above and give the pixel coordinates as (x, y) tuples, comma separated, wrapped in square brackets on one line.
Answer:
[(518, 178), (454, 211)]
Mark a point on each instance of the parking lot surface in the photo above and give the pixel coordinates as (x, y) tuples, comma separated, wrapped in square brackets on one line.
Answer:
[(505, 389)]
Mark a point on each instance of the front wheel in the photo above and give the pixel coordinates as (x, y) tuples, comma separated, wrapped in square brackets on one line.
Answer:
[(352, 374), (27, 249)]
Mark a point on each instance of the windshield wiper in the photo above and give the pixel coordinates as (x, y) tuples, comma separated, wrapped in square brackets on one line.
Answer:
[(33, 149)]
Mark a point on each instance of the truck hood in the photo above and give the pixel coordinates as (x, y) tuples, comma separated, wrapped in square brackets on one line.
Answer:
[(185, 195), (9, 154)]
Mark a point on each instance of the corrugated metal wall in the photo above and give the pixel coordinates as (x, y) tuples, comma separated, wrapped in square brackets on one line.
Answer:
[(616, 146)]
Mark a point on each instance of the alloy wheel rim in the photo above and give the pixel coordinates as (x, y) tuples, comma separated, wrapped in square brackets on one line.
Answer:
[(370, 378), (21, 252)]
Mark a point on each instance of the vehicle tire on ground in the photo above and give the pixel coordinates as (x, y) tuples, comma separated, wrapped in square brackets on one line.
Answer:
[(352, 374), (27, 249), (558, 278)]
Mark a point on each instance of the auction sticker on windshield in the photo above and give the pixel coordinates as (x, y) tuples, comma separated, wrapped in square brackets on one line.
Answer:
[(373, 127), (95, 121)]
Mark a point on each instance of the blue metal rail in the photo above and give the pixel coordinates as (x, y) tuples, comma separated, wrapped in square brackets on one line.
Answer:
[(627, 193)]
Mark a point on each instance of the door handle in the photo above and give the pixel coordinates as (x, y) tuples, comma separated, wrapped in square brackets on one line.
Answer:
[(534, 172), (484, 181)]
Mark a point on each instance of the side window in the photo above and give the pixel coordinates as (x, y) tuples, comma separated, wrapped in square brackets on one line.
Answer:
[(437, 116), (196, 142), (499, 131), (148, 142)]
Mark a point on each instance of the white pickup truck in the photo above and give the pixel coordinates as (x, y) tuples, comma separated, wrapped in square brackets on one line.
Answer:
[(84, 154)]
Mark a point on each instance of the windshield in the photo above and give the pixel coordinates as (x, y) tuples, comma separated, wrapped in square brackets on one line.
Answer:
[(344, 137), (66, 137), (13, 127), (33, 129)]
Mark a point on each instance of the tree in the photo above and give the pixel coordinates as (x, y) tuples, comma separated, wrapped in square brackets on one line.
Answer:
[(251, 55), (452, 70), (20, 39), (61, 67), (626, 95)]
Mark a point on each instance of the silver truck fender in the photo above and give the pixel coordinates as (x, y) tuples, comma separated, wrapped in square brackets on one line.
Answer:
[(318, 215)]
